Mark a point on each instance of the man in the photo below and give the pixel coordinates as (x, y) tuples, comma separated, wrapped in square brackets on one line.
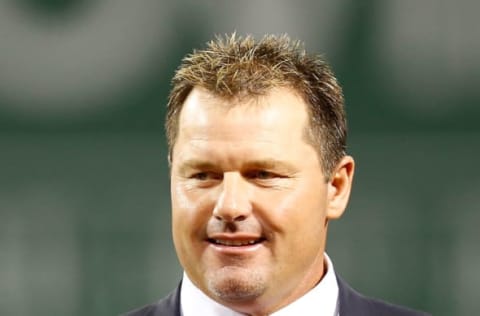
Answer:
[(257, 138)]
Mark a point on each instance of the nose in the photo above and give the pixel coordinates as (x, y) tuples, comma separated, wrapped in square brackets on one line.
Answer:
[(233, 202)]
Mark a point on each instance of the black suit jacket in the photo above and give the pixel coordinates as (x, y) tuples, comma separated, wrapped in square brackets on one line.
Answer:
[(351, 303)]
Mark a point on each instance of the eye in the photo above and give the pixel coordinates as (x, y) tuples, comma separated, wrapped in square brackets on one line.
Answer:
[(205, 175), (200, 176), (262, 175)]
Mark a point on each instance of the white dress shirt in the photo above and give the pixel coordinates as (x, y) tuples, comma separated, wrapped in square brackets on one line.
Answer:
[(321, 300)]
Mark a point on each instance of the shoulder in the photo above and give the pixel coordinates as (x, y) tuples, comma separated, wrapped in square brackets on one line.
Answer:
[(167, 306), (353, 303)]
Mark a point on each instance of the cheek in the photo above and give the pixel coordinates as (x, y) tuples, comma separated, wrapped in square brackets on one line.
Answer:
[(293, 210), (190, 210), (181, 199)]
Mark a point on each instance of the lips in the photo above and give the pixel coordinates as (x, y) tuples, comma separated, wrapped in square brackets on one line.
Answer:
[(235, 241)]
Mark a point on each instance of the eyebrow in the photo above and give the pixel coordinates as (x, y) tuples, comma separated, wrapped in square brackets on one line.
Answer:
[(269, 164), (196, 164)]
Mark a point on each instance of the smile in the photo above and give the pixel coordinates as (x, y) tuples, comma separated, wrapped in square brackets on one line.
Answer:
[(235, 243)]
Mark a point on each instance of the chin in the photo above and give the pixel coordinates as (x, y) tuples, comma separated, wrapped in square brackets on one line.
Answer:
[(235, 284)]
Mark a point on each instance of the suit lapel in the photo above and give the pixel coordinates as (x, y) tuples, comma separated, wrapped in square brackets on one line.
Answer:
[(351, 303), (167, 306), (172, 303)]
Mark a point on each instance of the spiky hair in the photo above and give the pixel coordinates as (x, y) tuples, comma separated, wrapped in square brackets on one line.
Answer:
[(232, 66)]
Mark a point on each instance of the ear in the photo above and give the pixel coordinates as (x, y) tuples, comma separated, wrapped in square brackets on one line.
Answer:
[(339, 187)]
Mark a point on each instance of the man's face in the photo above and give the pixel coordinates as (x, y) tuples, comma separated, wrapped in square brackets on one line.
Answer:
[(249, 199)]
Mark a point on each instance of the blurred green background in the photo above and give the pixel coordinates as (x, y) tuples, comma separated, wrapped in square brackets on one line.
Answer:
[(84, 188)]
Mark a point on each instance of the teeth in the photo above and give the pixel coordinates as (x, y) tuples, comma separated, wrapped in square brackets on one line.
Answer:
[(235, 242)]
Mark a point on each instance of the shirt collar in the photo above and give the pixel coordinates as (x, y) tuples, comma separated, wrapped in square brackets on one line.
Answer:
[(321, 300)]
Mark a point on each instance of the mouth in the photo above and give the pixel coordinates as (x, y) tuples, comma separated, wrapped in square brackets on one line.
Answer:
[(232, 242)]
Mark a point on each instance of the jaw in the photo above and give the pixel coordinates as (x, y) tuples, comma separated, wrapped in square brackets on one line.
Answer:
[(273, 300), (242, 277)]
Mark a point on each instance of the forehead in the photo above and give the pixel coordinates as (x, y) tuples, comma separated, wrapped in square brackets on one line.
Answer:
[(280, 104), (267, 127)]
